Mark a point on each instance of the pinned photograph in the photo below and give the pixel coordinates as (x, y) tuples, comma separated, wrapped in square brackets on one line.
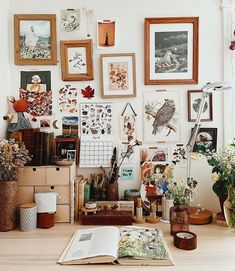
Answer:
[(71, 155), (35, 39), (106, 33), (70, 126), (70, 20), (45, 123), (154, 154)]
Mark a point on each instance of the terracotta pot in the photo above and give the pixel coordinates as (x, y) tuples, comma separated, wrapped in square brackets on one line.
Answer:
[(112, 191), (8, 205), (179, 219)]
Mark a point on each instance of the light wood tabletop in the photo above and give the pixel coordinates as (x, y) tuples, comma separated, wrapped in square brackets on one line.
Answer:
[(40, 249)]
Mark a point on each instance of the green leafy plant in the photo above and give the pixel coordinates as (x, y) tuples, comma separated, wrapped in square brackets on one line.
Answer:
[(223, 168), (12, 157)]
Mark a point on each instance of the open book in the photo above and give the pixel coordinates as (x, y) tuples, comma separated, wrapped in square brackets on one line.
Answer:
[(127, 245)]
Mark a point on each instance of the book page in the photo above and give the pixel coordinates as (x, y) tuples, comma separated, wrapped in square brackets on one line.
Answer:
[(142, 243), (93, 242)]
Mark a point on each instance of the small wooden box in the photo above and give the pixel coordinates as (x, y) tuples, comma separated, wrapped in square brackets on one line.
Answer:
[(108, 218)]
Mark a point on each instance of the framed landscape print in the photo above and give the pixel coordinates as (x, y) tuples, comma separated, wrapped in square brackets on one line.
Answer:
[(206, 139), (118, 75), (35, 39), (194, 100), (76, 60), (161, 116), (171, 51)]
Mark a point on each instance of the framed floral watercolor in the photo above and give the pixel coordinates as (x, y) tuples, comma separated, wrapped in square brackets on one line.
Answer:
[(76, 60), (194, 100), (161, 116), (118, 75), (206, 139), (35, 39), (171, 51)]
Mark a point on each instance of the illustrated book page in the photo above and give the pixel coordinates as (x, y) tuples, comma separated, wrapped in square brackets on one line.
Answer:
[(93, 245), (142, 246)]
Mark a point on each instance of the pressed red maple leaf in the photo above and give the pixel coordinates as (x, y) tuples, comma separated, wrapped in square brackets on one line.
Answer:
[(88, 92)]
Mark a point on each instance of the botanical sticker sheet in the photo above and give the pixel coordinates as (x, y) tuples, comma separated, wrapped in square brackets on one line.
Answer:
[(161, 116), (68, 99), (179, 155), (96, 119)]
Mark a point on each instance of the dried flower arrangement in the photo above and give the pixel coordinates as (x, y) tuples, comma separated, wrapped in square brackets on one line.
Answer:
[(12, 157)]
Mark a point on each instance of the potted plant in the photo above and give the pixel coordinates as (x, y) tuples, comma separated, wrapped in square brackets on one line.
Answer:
[(12, 157), (223, 175)]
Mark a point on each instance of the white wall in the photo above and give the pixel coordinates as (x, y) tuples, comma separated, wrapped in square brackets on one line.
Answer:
[(4, 64), (129, 16)]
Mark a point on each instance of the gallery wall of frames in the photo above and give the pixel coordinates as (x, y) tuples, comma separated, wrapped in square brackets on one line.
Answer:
[(115, 69)]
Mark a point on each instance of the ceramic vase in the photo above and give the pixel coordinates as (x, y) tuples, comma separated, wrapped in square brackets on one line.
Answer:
[(229, 209), (8, 205), (166, 205), (112, 191)]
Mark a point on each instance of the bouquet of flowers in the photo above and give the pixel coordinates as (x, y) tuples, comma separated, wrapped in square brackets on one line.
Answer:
[(223, 171), (180, 191), (12, 157)]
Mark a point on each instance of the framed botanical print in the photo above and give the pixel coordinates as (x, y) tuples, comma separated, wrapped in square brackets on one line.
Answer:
[(194, 100), (171, 51), (118, 75), (35, 39), (206, 139), (76, 60)]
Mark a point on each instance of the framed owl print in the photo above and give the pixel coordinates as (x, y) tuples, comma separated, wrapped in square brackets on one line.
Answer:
[(161, 116), (171, 50)]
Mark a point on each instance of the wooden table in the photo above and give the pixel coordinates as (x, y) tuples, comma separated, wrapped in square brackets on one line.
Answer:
[(40, 249)]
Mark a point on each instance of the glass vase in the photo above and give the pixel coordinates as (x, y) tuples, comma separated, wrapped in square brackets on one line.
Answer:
[(179, 218), (229, 209)]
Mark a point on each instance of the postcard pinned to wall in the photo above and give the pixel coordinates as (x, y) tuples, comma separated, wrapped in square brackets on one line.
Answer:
[(36, 86), (127, 173), (154, 154), (68, 99), (106, 33), (70, 20), (70, 126), (161, 116), (96, 119), (179, 155)]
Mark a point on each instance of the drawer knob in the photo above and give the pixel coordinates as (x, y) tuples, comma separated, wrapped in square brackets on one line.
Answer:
[(52, 187), (57, 169), (34, 169)]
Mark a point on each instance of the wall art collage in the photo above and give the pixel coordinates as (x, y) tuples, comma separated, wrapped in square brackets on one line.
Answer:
[(170, 58)]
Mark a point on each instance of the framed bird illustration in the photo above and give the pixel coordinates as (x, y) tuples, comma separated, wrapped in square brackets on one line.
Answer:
[(161, 116)]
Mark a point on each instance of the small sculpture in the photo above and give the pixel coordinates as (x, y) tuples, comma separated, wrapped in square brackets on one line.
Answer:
[(20, 119)]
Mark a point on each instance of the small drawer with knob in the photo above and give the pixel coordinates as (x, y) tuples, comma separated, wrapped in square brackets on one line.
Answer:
[(32, 176), (57, 175)]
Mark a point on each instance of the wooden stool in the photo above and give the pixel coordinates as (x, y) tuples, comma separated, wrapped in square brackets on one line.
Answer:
[(86, 211)]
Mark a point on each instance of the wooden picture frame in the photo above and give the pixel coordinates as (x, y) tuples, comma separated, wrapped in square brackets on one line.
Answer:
[(35, 39), (206, 138), (171, 51), (76, 60), (194, 98), (118, 75)]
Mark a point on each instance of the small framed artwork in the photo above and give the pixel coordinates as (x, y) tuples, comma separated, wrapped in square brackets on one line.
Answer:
[(35, 39), (206, 139), (106, 34), (194, 100), (76, 60), (70, 20), (171, 51), (71, 155), (118, 75)]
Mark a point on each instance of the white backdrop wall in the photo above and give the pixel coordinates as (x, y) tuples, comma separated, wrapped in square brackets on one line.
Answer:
[(4, 64), (129, 16)]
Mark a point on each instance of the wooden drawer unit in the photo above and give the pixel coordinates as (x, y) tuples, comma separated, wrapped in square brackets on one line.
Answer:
[(58, 179), (32, 176)]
